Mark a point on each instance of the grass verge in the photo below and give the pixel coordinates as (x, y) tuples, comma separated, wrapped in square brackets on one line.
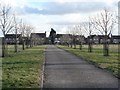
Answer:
[(23, 69), (110, 63)]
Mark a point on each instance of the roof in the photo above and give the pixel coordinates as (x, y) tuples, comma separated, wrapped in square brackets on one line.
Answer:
[(100, 36), (43, 35), (91, 36), (116, 37), (60, 35), (12, 35)]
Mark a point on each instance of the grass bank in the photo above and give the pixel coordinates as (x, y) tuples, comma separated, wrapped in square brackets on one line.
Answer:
[(23, 69), (111, 63)]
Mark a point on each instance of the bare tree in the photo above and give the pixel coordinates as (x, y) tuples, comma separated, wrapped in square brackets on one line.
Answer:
[(27, 31), (104, 22), (68, 31), (16, 27), (65, 39), (78, 29), (74, 33), (22, 28), (6, 22), (88, 27), (34, 39)]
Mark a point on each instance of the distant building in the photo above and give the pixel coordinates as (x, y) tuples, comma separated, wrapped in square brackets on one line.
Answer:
[(98, 39), (10, 38), (38, 38), (115, 39), (47, 41), (63, 38), (80, 38), (69, 38)]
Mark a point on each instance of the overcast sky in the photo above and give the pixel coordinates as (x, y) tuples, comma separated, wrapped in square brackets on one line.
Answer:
[(58, 14)]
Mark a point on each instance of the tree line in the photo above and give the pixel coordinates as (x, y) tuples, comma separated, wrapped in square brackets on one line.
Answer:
[(103, 23)]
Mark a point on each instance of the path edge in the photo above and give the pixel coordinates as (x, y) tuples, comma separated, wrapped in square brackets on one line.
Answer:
[(43, 70)]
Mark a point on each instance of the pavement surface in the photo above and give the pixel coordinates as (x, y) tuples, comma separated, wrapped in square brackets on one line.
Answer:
[(64, 70)]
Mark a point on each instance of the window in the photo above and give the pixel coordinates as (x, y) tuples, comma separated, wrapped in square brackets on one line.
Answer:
[(115, 40)]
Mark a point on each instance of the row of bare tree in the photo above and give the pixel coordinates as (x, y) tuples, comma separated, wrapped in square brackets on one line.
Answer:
[(102, 23), (9, 23)]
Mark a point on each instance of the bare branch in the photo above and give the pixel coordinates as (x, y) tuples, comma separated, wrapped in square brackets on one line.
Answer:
[(5, 20), (104, 22)]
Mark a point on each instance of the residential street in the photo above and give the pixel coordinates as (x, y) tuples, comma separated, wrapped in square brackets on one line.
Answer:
[(64, 70)]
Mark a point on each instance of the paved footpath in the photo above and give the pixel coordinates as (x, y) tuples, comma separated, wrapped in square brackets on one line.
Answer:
[(64, 70)]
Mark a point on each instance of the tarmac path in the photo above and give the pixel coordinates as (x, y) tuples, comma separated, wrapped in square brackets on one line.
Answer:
[(65, 70)]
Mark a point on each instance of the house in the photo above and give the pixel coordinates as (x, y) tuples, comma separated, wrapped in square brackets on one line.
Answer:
[(80, 38), (115, 39), (38, 38), (98, 39), (68, 38), (63, 38), (10, 38), (25, 39), (47, 41), (92, 38), (58, 37)]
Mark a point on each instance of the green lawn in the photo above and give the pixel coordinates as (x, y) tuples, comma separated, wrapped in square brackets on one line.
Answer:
[(23, 69), (96, 57)]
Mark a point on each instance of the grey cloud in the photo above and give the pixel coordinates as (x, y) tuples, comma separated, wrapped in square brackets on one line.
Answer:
[(63, 23), (67, 23), (53, 8), (31, 10)]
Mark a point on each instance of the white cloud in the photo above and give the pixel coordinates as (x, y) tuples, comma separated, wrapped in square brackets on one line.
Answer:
[(9, 2)]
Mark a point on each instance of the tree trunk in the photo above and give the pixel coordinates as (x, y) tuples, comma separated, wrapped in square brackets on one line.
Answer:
[(31, 43), (4, 48), (74, 42), (71, 44), (106, 49), (15, 45), (15, 37), (1, 43), (68, 44), (74, 45), (27, 43), (90, 47), (106, 46), (80, 45), (23, 45)]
